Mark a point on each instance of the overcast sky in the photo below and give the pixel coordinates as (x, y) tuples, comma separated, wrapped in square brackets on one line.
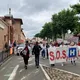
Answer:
[(34, 13)]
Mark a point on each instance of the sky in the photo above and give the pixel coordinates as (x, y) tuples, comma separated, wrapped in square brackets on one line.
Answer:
[(34, 13)]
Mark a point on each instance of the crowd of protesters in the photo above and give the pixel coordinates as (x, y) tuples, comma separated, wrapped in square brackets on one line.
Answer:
[(40, 49)]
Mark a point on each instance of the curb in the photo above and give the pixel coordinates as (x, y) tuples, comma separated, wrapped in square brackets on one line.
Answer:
[(68, 72), (48, 78), (46, 75)]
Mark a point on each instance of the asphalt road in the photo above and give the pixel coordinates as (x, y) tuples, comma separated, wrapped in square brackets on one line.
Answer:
[(14, 69)]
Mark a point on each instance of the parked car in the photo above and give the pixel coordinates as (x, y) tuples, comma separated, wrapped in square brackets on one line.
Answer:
[(20, 48)]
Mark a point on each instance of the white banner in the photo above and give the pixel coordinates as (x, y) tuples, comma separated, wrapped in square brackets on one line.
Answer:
[(51, 52), (61, 54)]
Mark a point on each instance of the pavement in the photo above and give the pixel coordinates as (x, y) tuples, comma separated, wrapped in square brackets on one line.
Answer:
[(13, 69)]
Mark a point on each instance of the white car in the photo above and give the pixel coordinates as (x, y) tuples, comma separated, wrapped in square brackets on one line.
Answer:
[(20, 48)]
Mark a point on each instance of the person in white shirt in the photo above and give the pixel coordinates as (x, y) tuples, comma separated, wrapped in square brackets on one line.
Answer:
[(62, 45), (43, 51)]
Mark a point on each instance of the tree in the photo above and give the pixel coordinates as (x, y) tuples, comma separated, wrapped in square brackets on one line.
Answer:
[(76, 7), (37, 35), (46, 31), (64, 20)]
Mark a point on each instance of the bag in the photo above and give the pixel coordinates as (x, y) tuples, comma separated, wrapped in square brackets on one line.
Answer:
[(24, 52)]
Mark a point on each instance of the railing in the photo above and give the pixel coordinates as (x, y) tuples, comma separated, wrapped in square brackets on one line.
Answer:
[(4, 55)]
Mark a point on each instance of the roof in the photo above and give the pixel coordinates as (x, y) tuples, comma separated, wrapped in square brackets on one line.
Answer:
[(19, 19)]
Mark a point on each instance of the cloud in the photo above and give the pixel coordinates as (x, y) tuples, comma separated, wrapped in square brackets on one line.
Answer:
[(34, 13)]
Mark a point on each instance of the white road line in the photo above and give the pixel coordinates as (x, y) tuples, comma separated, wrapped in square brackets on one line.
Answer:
[(3, 68), (21, 61), (23, 78), (31, 58), (46, 75), (31, 64), (36, 71), (21, 70), (13, 73), (7, 74)]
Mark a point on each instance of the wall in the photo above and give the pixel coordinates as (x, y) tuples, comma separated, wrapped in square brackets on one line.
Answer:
[(3, 35), (17, 31)]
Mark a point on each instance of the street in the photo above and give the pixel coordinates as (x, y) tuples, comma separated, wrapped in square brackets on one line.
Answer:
[(13, 69)]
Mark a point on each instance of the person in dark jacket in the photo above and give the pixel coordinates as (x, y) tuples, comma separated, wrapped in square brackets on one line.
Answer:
[(47, 46), (36, 51), (26, 54)]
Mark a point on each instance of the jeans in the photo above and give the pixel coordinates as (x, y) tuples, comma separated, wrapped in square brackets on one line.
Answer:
[(25, 60), (37, 60), (43, 54)]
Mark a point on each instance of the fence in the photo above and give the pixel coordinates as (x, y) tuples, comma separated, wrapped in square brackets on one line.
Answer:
[(4, 55)]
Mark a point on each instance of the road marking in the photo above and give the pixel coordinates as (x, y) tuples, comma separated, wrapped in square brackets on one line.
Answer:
[(23, 78), (21, 70), (31, 58), (36, 71), (46, 75), (3, 68), (21, 61), (13, 74), (31, 64), (7, 74)]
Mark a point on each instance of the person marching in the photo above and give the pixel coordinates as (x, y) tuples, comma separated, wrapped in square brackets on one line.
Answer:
[(36, 51), (43, 51), (47, 46), (73, 59), (25, 54)]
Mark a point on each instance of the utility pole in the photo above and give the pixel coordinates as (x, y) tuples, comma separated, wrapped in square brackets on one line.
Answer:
[(10, 27)]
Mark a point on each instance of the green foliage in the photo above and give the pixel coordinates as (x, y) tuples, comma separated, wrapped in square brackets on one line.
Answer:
[(46, 31), (76, 7), (37, 35), (61, 22), (65, 20)]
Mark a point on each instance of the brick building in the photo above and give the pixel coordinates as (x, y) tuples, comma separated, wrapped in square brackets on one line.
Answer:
[(3, 33), (11, 30)]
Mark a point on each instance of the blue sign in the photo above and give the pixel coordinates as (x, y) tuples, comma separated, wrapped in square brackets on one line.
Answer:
[(72, 52)]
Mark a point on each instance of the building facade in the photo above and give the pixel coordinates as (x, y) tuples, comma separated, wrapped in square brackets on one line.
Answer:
[(3, 34)]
